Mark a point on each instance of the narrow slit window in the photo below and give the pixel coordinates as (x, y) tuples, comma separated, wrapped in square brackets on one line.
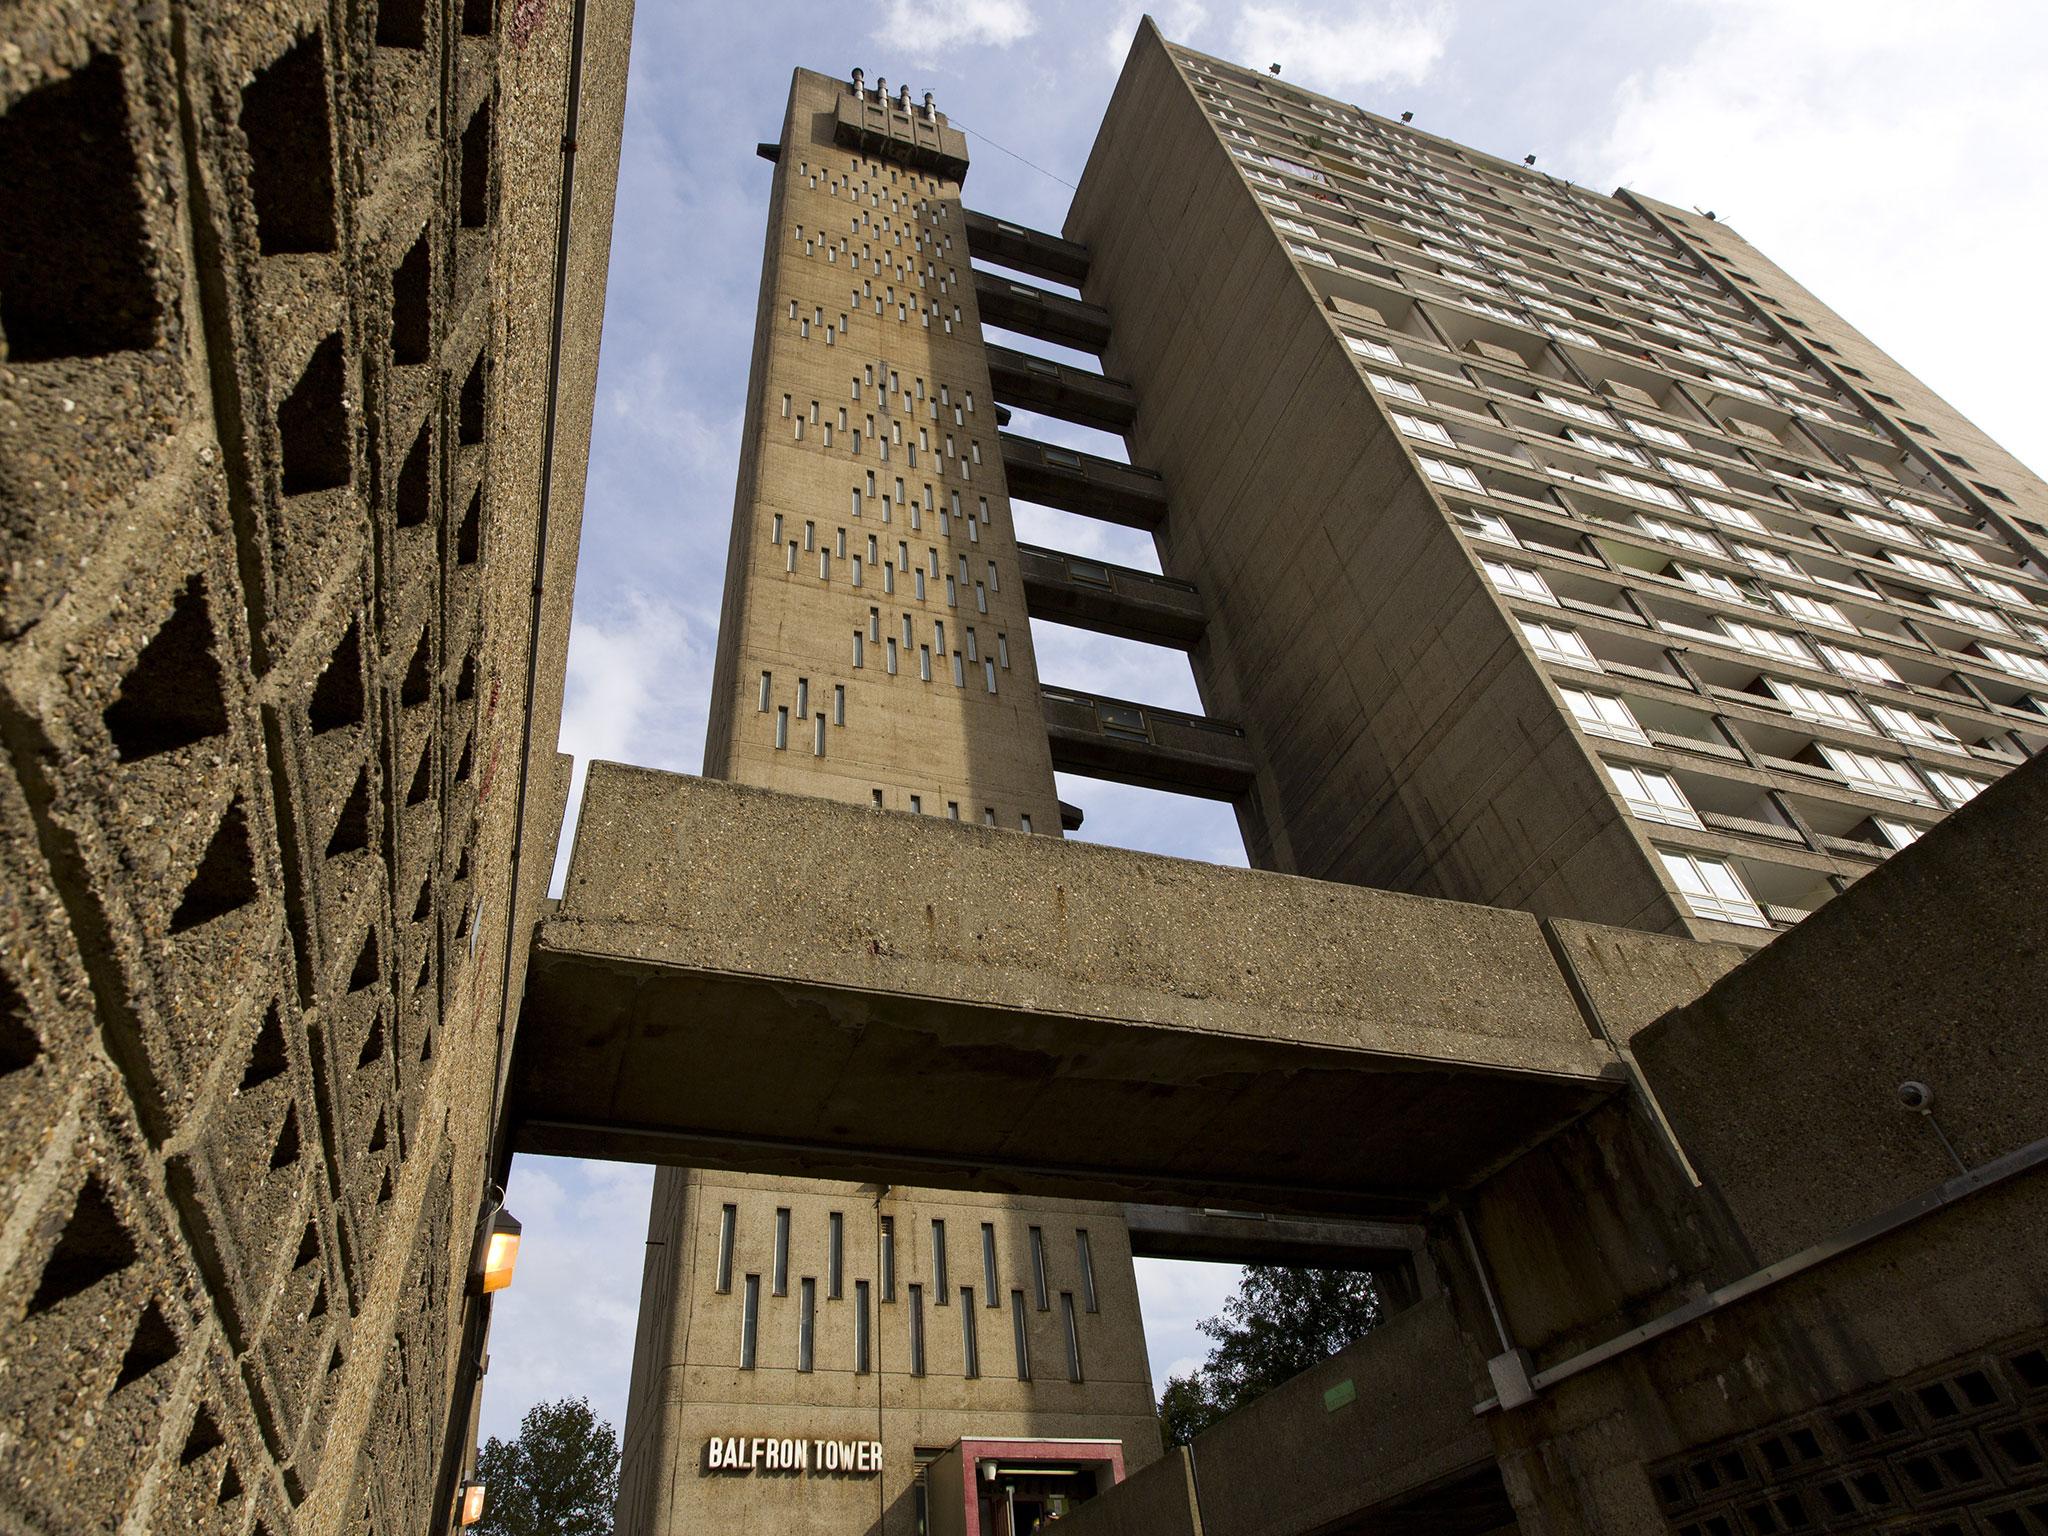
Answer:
[(807, 1327), (988, 1264), (781, 727), (781, 1277), (970, 1352), (767, 689), (917, 1330), (728, 1221), (1018, 1336), (835, 1256), (1038, 1268), (750, 1321), (1073, 1332), (839, 699), (818, 735), (941, 1293), (888, 1238), (861, 1325)]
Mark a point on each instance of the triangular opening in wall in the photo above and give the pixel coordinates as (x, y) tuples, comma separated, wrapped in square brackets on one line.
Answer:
[(422, 789), (426, 974), (286, 1150), (352, 827), (427, 1046), (268, 1057), (309, 1247), (19, 1046), (152, 1345), (469, 537), (418, 686), (230, 1486), (414, 501), (205, 1436), (338, 697), (465, 681), (384, 1189), (377, 1136), (94, 1246), (226, 877), (367, 971), (423, 905), (318, 1308), (373, 1050), (468, 754), (173, 694)]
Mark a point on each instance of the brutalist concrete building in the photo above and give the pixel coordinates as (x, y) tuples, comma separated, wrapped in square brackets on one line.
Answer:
[(1626, 677)]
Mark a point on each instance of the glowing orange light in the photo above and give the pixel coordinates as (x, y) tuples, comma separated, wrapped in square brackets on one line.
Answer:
[(501, 1252), (472, 1503)]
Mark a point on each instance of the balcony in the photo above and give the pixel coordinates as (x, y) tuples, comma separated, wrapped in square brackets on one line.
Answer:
[(1152, 748), (1026, 250), (1054, 389), (1083, 483), (1039, 312), (1110, 599)]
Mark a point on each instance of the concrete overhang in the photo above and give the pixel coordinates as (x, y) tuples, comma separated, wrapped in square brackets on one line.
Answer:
[(746, 979)]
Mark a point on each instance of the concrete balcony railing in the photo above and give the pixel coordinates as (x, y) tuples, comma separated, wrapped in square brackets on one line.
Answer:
[(1027, 250), (1110, 599), (1039, 312), (1153, 748), (1083, 483), (1056, 389)]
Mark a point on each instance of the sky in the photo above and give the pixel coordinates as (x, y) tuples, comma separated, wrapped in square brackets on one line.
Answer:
[(1887, 153)]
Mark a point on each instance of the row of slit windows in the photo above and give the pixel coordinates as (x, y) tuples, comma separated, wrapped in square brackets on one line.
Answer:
[(939, 1291), (916, 808), (877, 558), (894, 437)]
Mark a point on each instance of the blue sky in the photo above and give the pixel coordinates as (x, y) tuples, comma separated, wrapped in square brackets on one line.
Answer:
[(1869, 146)]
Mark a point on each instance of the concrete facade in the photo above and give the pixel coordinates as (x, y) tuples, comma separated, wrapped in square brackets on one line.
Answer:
[(873, 649), (293, 418), (1460, 455)]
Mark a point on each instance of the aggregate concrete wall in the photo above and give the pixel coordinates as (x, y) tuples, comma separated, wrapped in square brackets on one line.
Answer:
[(275, 314), (1157, 1501)]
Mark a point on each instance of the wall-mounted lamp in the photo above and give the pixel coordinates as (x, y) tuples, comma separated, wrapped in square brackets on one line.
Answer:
[(497, 1251), (471, 1508)]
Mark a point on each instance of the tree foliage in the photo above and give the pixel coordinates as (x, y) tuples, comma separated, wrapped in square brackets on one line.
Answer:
[(1280, 1322), (559, 1478)]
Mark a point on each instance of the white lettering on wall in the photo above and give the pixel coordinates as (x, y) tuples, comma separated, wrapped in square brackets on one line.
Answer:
[(809, 1458)]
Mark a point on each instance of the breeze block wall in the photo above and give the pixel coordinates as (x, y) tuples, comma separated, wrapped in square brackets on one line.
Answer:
[(277, 293)]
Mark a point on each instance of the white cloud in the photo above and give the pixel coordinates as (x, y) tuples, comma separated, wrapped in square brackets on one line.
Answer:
[(1175, 1295), (1883, 152), (925, 32), (565, 1327), (1181, 20), (1342, 51)]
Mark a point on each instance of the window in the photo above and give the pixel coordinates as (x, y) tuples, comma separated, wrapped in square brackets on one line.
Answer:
[(970, 1349), (1085, 1256), (1398, 389), (1926, 570), (1456, 475), (1574, 409), (988, 1264), (1678, 533), (1970, 613), (2017, 663), (1663, 437), (1428, 431), (781, 727), (780, 1287), (1485, 525), (728, 1219), (1912, 726), (1860, 665), (1956, 788), (1998, 591), (1518, 581), (1711, 888), (1652, 794), (940, 1289), (1073, 1336), (1812, 609), (1038, 1267), (861, 1325), (1555, 642), (917, 1330), (1821, 704), (1372, 349), (806, 1323), (750, 1321), (1721, 512), (1018, 1335), (1606, 449), (1876, 775), (888, 1238), (767, 686), (1643, 490), (1768, 560), (1899, 834), (1602, 714)]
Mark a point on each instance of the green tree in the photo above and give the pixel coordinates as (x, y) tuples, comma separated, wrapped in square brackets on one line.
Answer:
[(1280, 1322), (559, 1478)]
